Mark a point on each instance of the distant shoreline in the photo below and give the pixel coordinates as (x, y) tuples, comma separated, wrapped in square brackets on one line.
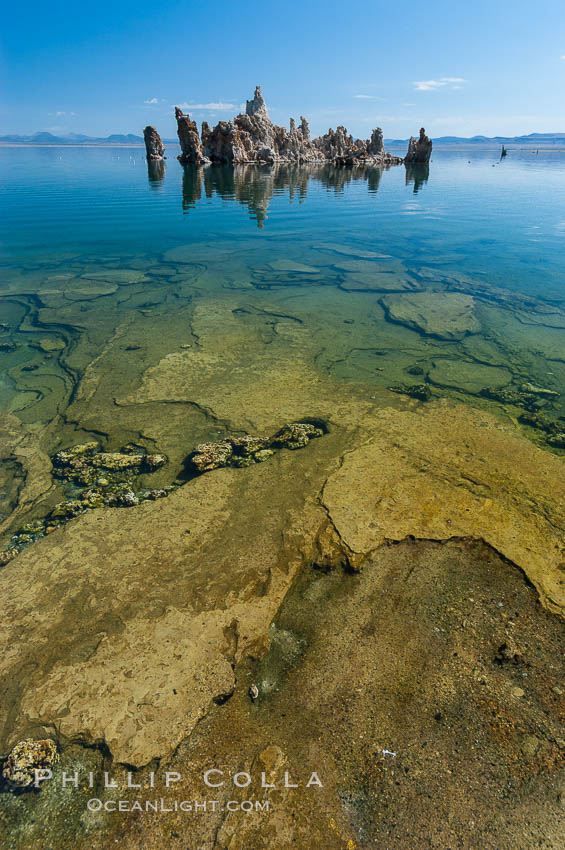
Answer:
[(124, 146), (78, 145)]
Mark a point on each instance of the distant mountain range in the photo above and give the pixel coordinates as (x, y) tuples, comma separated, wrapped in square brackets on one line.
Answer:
[(532, 140), (542, 140), (44, 138)]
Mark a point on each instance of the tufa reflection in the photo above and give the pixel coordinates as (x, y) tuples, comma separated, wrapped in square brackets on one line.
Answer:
[(155, 172), (417, 173), (254, 186)]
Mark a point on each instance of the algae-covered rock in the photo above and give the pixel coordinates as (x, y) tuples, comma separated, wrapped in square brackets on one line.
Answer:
[(92, 498), (263, 455), (541, 422), (27, 757), (419, 391), (64, 457), (242, 462), (159, 493), (67, 509), (528, 387), (212, 455), (6, 556), (117, 460), (121, 496), (296, 435), (154, 461), (234, 451), (511, 396), (248, 445)]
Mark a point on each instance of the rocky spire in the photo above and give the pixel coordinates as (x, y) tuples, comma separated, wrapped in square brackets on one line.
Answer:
[(154, 147), (376, 145), (257, 106), (189, 139), (419, 150), (252, 137)]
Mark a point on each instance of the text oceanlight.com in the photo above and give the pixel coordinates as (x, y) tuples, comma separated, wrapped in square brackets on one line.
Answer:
[(163, 805)]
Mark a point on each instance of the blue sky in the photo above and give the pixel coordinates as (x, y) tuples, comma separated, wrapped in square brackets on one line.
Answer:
[(494, 67)]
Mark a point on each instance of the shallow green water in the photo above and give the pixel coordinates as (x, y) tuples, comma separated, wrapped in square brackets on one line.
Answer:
[(105, 260)]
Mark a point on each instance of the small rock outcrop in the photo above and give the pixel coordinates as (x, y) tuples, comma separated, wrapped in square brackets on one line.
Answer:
[(154, 147), (189, 139), (252, 137), (27, 757), (420, 149), (245, 451)]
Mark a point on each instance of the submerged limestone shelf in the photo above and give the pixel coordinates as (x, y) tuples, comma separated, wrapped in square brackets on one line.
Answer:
[(208, 561), (112, 478)]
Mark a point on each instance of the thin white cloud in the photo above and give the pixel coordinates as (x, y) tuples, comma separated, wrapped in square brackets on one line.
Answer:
[(220, 106), (61, 112), (152, 100), (434, 85), (563, 57)]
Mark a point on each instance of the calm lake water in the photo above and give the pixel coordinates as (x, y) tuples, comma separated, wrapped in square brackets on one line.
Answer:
[(105, 260), (482, 215)]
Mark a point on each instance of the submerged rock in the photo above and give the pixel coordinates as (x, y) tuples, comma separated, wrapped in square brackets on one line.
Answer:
[(245, 451), (210, 456), (554, 430), (27, 757), (234, 451), (117, 460), (109, 478), (419, 391), (420, 149), (296, 435), (446, 315), (154, 147), (262, 455), (6, 556), (248, 445), (511, 396), (67, 509), (65, 456), (541, 422), (154, 461), (532, 388), (123, 497), (467, 375)]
